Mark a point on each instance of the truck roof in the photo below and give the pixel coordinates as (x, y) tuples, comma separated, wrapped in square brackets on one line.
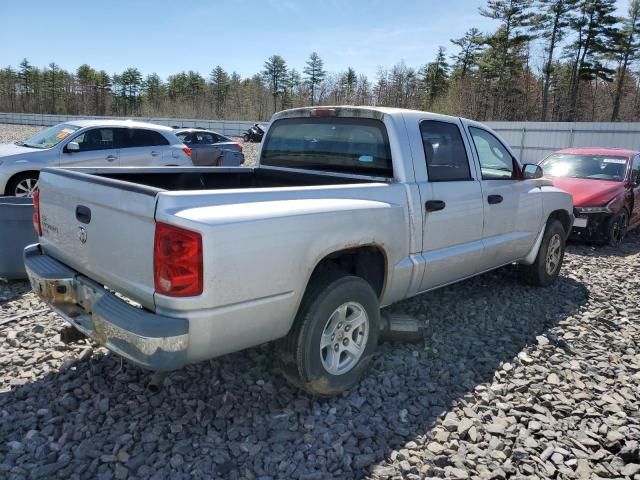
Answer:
[(352, 110), (117, 123)]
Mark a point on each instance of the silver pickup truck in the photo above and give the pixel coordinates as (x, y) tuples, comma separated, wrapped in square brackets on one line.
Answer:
[(349, 209)]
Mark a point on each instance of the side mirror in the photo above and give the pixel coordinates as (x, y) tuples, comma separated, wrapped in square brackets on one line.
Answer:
[(73, 147), (531, 171)]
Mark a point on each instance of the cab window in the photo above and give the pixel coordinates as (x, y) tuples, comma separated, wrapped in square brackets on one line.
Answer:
[(444, 152), (496, 163)]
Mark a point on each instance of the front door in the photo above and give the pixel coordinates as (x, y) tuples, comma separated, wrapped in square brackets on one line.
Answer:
[(453, 212), (512, 206), (97, 149)]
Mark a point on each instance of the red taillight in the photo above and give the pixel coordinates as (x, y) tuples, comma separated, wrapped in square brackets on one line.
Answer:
[(187, 150), (323, 112), (239, 145), (177, 261), (36, 213)]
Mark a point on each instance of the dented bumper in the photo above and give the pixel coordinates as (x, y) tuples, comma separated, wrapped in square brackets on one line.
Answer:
[(147, 339)]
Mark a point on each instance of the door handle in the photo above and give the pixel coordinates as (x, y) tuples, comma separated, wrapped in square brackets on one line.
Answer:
[(155, 154), (111, 158), (434, 205), (493, 199)]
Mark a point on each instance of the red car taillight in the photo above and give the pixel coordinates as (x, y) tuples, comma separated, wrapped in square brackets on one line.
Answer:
[(187, 150), (239, 145), (36, 213), (177, 261)]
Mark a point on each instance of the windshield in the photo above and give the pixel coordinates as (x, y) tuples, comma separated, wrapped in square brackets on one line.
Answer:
[(50, 136), (597, 167), (345, 145)]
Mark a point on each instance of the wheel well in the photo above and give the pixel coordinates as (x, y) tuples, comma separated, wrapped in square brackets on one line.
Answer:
[(563, 217), (366, 262), (12, 178)]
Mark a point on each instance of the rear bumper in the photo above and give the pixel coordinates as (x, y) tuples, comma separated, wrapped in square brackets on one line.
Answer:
[(147, 339)]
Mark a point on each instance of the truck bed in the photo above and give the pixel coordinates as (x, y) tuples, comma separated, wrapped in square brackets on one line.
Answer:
[(217, 178)]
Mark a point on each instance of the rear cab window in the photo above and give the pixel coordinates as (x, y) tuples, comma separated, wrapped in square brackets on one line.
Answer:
[(331, 144)]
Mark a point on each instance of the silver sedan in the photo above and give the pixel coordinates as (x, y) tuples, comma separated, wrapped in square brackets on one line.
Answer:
[(211, 149), (90, 143)]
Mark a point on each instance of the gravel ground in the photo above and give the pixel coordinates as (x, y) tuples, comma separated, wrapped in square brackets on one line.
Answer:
[(512, 382), (19, 133)]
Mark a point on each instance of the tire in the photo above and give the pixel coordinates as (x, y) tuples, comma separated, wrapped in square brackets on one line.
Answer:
[(245, 137), (617, 228), (546, 267), (319, 354), (22, 185)]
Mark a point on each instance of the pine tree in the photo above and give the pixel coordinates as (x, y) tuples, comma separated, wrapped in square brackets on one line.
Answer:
[(551, 24), (314, 73), (220, 89), (594, 29), (434, 78), (275, 73), (153, 90), (627, 49), (348, 84), (501, 60), (470, 47)]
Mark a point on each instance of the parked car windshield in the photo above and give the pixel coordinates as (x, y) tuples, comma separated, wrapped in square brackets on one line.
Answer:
[(50, 136), (597, 167), (345, 145)]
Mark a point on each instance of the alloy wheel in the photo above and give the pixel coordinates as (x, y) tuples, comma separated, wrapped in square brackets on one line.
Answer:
[(554, 252), (344, 338), (26, 187)]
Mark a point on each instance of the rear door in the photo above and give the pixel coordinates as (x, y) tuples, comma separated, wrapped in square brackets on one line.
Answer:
[(453, 213), (140, 147), (97, 149), (512, 206), (101, 228)]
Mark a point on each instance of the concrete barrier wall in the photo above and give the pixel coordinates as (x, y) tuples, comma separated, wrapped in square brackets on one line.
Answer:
[(532, 141), (225, 127)]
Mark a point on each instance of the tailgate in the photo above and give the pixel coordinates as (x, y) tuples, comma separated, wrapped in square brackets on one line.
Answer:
[(103, 228)]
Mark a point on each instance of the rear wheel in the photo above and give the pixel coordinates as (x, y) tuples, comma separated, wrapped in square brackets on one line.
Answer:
[(333, 337), (23, 185), (617, 230), (546, 267), (245, 137)]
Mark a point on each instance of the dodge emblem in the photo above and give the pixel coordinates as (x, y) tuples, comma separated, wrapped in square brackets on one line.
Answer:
[(82, 235)]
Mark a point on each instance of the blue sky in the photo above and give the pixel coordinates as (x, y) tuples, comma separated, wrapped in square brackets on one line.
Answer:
[(170, 36)]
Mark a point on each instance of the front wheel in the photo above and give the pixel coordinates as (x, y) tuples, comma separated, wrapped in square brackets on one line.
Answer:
[(245, 137), (333, 337), (618, 225), (546, 267), (23, 185)]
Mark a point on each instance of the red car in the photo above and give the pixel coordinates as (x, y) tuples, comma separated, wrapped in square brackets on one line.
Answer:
[(605, 184)]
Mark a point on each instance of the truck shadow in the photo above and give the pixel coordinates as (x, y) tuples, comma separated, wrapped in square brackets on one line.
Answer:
[(236, 417)]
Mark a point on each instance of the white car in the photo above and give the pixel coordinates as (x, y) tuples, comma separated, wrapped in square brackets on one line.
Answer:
[(350, 209), (88, 143)]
